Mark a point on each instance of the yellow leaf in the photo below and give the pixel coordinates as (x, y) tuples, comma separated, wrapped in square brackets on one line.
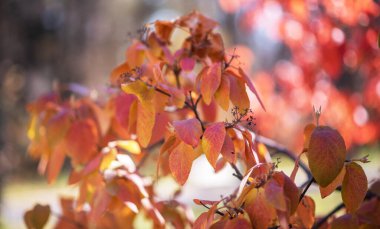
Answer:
[(130, 146)]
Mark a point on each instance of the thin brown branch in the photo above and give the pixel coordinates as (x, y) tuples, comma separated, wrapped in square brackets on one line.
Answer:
[(216, 211), (282, 149), (309, 183), (237, 173)]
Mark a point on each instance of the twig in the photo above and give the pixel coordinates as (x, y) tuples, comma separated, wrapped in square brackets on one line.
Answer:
[(193, 107), (281, 149), (237, 173), (311, 181), (216, 211)]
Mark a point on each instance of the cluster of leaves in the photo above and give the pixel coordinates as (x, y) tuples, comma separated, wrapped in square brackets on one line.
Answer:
[(332, 59), (169, 95)]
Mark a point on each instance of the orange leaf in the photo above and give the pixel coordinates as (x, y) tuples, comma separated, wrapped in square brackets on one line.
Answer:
[(180, 162), (326, 154), (139, 89), (306, 211), (81, 140), (228, 150), (37, 217), (260, 212), (55, 162), (189, 131), (116, 73), (164, 29), (238, 94), (212, 141), (222, 95), (326, 191), (205, 220), (145, 122), (238, 223), (251, 87), (210, 82), (354, 187), (308, 130)]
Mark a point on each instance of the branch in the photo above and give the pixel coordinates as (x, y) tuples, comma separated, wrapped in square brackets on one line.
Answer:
[(216, 211), (311, 181), (282, 149), (237, 173)]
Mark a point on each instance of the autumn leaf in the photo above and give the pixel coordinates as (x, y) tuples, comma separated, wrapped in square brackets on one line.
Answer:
[(251, 87), (146, 117), (238, 94), (81, 140), (326, 191), (222, 94), (306, 211), (238, 222), (260, 212), (56, 162), (164, 30), (354, 187), (37, 217), (139, 89), (228, 150), (212, 142), (187, 64), (189, 131), (326, 154), (180, 162), (146, 112), (210, 81), (129, 146), (308, 130), (205, 220)]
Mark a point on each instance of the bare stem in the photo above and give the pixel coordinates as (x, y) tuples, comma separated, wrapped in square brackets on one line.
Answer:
[(311, 181)]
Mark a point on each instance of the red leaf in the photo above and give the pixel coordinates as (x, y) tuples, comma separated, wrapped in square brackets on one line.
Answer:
[(212, 142), (81, 141), (326, 154), (189, 131), (354, 187), (346, 221)]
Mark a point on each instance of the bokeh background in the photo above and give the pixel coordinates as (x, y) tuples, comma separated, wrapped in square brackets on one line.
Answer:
[(298, 53)]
